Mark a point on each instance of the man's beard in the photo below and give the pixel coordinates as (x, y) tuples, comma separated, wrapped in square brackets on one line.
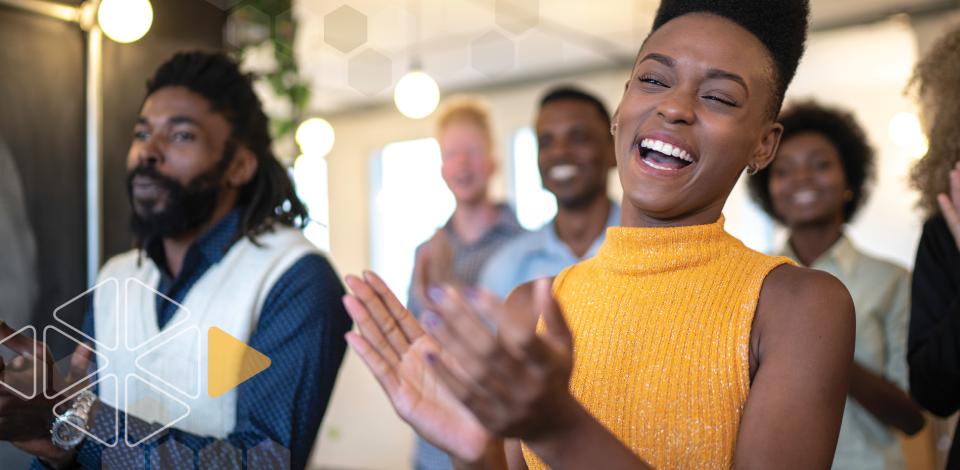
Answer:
[(185, 207)]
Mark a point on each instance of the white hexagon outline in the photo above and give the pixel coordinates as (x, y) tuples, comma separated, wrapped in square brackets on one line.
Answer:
[(389, 61), (482, 38), (190, 329), (126, 416), (262, 444), (219, 443), (155, 456), (32, 394), (116, 412), (366, 28), (166, 334), (514, 15)]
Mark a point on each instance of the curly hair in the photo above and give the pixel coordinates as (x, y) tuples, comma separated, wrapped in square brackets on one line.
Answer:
[(936, 79), (781, 25), (839, 127), (269, 198)]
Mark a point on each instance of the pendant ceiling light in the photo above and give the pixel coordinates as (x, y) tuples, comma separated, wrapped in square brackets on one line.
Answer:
[(417, 93), (315, 137), (125, 21)]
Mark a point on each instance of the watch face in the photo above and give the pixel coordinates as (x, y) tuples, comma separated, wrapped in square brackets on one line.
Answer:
[(67, 432)]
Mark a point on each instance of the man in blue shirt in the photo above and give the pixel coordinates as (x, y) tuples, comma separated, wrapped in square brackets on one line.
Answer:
[(219, 222), (575, 155)]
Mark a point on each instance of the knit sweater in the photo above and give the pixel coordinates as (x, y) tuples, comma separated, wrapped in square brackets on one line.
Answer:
[(661, 320)]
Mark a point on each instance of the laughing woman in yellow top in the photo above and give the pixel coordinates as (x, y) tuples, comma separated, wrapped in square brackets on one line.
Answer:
[(677, 346)]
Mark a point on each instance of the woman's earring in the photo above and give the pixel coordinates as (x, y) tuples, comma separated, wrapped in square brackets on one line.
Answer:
[(751, 170), (613, 129)]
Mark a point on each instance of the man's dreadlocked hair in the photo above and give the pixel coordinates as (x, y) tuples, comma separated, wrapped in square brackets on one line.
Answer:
[(781, 25), (269, 198)]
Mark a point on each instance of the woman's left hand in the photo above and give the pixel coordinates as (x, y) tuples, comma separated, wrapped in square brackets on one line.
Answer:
[(514, 381), (950, 204), (396, 350)]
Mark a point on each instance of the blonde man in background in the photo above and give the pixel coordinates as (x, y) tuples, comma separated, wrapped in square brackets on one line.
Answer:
[(458, 251)]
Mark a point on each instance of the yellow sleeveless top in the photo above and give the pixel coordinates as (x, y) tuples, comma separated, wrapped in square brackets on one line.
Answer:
[(661, 322)]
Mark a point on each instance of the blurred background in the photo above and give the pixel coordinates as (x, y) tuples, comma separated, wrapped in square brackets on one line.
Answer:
[(360, 79)]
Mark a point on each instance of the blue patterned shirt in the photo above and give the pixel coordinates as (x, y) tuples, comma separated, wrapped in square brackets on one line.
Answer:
[(301, 328)]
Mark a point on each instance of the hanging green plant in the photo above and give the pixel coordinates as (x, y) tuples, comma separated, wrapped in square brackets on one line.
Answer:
[(261, 34)]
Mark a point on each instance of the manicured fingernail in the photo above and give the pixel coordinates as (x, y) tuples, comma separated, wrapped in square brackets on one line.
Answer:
[(436, 294)]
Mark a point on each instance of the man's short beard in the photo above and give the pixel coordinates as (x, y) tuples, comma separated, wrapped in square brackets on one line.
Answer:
[(583, 200), (186, 207)]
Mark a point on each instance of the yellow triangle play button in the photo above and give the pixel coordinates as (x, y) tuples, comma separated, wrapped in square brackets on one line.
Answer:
[(230, 362)]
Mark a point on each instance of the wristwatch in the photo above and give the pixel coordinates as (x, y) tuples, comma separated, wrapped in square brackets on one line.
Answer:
[(68, 429)]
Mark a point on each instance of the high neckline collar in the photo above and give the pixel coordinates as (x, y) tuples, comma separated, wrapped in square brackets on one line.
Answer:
[(651, 250)]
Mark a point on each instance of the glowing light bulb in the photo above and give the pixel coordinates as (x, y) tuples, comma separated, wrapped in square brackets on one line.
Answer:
[(315, 137), (416, 95), (125, 21)]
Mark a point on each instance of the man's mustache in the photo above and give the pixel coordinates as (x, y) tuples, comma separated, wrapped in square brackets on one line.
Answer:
[(150, 172)]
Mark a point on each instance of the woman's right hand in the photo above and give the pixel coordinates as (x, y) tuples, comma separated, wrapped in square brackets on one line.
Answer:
[(396, 350), (950, 204)]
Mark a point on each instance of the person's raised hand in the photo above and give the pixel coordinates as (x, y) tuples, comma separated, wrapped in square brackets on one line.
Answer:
[(514, 380), (395, 348), (950, 204), (26, 423)]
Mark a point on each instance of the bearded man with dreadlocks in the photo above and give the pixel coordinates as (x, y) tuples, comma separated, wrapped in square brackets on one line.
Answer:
[(219, 246)]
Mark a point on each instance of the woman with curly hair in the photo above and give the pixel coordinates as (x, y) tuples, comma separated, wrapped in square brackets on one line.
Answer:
[(933, 351), (816, 184)]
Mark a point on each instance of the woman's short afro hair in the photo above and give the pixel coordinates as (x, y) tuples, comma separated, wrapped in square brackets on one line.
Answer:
[(842, 130), (781, 25)]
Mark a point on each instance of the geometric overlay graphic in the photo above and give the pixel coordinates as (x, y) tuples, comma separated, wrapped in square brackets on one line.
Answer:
[(14, 359), (149, 388), (230, 362)]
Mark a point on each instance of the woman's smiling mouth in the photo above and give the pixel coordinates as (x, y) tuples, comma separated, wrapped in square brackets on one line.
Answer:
[(664, 156)]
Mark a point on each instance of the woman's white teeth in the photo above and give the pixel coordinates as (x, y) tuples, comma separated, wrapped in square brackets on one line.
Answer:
[(804, 197), (666, 149), (653, 164), (562, 172)]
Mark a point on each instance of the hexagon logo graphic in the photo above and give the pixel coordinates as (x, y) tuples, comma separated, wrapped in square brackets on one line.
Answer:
[(151, 393), (370, 72), (151, 376), (517, 16), (345, 29), (492, 54)]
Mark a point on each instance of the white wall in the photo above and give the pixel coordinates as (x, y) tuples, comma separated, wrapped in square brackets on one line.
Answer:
[(863, 69)]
